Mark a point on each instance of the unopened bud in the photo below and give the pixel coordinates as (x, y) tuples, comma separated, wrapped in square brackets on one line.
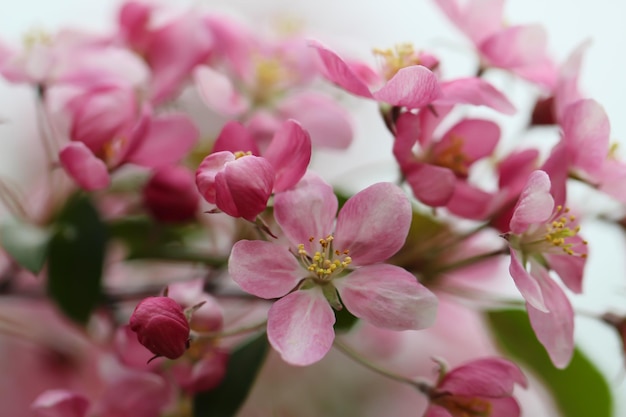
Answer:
[(161, 326), (171, 195)]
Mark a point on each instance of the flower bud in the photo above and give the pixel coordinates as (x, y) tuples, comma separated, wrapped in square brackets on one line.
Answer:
[(161, 326), (171, 195)]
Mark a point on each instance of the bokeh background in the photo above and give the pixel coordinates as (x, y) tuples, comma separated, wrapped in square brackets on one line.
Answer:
[(357, 26)]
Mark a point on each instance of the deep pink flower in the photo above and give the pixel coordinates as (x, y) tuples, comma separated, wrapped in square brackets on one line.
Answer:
[(411, 86), (202, 375), (436, 169), (161, 326), (60, 403), (483, 387), (324, 261), (544, 237), (171, 196)]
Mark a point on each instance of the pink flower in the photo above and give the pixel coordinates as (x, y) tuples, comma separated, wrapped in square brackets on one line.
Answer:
[(546, 237), (171, 196), (324, 262), (411, 86), (440, 165), (520, 49), (60, 403), (239, 182), (161, 326), (483, 387)]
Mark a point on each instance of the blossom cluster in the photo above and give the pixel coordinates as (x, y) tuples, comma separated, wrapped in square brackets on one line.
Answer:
[(178, 215)]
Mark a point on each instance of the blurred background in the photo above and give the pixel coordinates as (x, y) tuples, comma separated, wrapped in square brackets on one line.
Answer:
[(358, 26)]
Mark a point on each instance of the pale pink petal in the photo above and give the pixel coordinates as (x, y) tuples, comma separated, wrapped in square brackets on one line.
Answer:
[(84, 167), (471, 202), (208, 169), (60, 403), (566, 91), (169, 138), (243, 187), (413, 87), (337, 71), (526, 283), (570, 267), (487, 377), (586, 131), (289, 153), (535, 204), (505, 407), (328, 123), (218, 93), (479, 138), (307, 210), (140, 394), (387, 296), (431, 184), (477, 18), (234, 137), (437, 411), (554, 329), (374, 223), (474, 91), (300, 327), (264, 269)]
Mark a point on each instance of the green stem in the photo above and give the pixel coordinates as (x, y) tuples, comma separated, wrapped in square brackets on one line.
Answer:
[(470, 261), (229, 333), (422, 387)]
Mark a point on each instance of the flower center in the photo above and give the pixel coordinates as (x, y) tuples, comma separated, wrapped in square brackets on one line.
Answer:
[(453, 157), (464, 406), (325, 263), (241, 154), (393, 60)]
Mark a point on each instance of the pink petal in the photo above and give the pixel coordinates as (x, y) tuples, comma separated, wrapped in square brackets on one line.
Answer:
[(289, 153), (505, 407), (474, 91), (374, 223), (535, 204), (472, 203), (515, 169), (208, 170), (526, 283), (88, 171), (243, 187), (168, 140), (300, 327), (308, 210), (487, 377), (479, 138), (413, 87), (437, 411), (554, 329), (264, 269), (218, 93), (337, 71), (570, 267), (328, 123), (477, 19), (566, 91), (234, 137), (60, 403), (140, 394), (431, 184), (387, 296), (586, 131)]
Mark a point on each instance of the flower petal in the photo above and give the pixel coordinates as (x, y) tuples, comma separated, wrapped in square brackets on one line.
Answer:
[(431, 184), (486, 377), (264, 269), (535, 204), (289, 153), (84, 167), (339, 72), (374, 223), (413, 87), (308, 210), (526, 283), (554, 329), (208, 169), (387, 296), (60, 403), (474, 91), (234, 137), (218, 93), (300, 327)]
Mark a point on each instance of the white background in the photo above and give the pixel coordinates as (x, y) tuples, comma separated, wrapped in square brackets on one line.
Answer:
[(362, 25)]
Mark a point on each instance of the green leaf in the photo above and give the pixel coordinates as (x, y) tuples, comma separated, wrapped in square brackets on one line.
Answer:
[(344, 320), (26, 243), (243, 367), (75, 259), (580, 390)]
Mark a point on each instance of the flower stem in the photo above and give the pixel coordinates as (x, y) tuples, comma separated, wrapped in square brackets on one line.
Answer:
[(470, 261), (422, 387), (229, 333)]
